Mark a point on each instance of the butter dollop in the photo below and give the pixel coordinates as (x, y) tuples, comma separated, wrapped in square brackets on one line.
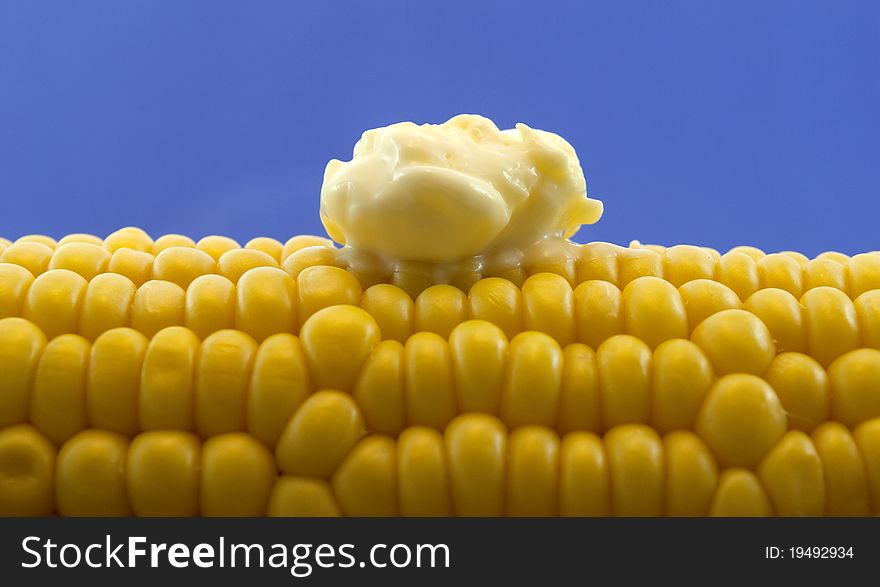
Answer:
[(445, 193)]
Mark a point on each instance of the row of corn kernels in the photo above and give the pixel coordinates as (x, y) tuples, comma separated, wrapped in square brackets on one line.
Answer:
[(136, 239), (727, 381), (745, 270), (263, 301), (474, 467)]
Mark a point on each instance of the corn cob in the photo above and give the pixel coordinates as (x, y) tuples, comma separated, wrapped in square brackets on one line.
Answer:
[(276, 379)]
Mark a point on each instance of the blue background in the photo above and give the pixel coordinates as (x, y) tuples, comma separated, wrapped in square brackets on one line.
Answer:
[(714, 123)]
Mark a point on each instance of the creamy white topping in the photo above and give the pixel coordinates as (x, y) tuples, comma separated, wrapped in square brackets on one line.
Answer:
[(455, 192)]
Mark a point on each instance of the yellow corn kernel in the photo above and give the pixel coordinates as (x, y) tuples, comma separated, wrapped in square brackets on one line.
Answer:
[(54, 300), (654, 311), (579, 396), (792, 474), (90, 475), (107, 304), (302, 241), (265, 303), (476, 452), (735, 341), (846, 483), (371, 271), (598, 312), (635, 263), (336, 341), (423, 477), (301, 497), (716, 256), (741, 420), (691, 475), (34, 257), (215, 246), (624, 364), (270, 246), (380, 389), (237, 475), (783, 316), (597, 261), (824, 273), (166, 241), (162, 474), (167, 398), (855, 379), (129, 237), (831, 324), (463, 279), (366, 482), (38, 238), (223, 372), (584, 484), (740, 494), (209, 305), (181, 265), (532, 472), (14, 284), (753, 252), (497, 301), (533, 381), (548, 306), (555, 262), (413, 277), (864, 274), (235, 262), (800, 258), (479, 354), (801, 385), (319, 436), (430, 394), (27, 470), (278, 386), (58, 402), (79, 237), (684, 263), (867, 437), (20, 352), (439, 309), (157, 305), (637, 470), (681, 378), (703, 298), (114, 378), (312, 256), (834, 256), (136, 265), (85, 259), (393, 310), (781, 271), (5, 242), (515, 276), (739, 272), (324, 286), (867, 308)]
